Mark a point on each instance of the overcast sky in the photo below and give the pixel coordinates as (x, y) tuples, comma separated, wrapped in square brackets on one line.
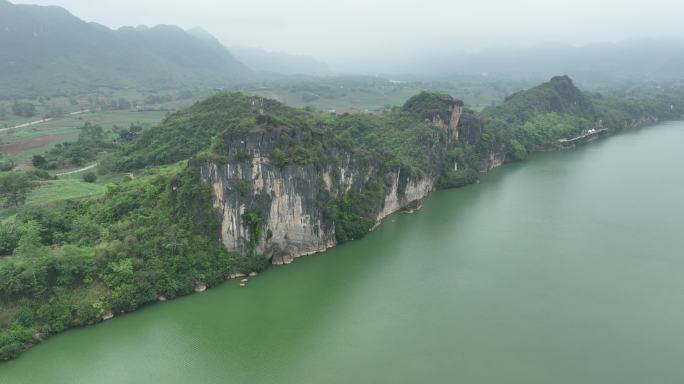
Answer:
[(336, 30)]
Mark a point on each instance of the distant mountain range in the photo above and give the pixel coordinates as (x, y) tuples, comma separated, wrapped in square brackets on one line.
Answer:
[(279, 62), (47, 50), (645, 59)]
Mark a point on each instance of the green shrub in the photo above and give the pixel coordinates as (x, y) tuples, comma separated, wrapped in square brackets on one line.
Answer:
[(252, 220), (89, 177), (10, 351), (458, 179)]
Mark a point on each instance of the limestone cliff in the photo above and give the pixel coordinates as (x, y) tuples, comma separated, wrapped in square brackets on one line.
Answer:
[(290, 182), (292, 201)]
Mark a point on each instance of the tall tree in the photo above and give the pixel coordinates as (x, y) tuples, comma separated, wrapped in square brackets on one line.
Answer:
[(24, 109), (14, 188)]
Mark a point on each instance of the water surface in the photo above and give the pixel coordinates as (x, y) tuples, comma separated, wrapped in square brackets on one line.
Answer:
[(564, 269)]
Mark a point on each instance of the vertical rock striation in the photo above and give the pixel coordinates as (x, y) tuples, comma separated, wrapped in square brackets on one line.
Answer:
[(293, 201)]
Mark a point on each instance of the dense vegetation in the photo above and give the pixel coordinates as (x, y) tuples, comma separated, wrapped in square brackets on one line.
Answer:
[(219, 126), (24, 109), (190, 131), (92, 140), (534, 120), (430, 105), (69, 265), (304, 137)]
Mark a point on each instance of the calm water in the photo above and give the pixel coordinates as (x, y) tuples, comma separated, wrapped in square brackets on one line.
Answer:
[(565, 269)]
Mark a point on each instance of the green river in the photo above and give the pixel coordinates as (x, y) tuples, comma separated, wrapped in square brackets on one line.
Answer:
[(568, 268)]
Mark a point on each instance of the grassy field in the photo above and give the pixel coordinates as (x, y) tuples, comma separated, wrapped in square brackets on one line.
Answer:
[(22, 143), (63, 189), (359, 99), (375, 95)]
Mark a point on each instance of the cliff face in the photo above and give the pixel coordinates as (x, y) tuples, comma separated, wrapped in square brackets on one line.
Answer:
[(287, 184), (292, 201), (286, 200)]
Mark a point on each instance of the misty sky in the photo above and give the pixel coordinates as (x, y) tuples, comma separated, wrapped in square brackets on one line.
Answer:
[(336, 30)]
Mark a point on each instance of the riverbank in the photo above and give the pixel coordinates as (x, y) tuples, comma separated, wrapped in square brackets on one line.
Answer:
[(547, 271), (413, 204)]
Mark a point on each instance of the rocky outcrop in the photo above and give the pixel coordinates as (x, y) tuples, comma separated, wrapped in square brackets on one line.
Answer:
[(285, 207), (292, 200), (286, 199), (398, 196), (442, 110), (470, 128)]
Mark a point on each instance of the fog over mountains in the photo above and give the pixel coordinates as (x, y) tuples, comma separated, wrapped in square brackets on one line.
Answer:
[(643, 59), (48, 50), (262, 60)]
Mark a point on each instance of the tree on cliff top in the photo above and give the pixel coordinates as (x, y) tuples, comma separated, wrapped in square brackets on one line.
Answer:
[(429, 105)]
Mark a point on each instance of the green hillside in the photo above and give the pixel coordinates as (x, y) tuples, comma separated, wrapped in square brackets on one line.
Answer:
[(48, 51)]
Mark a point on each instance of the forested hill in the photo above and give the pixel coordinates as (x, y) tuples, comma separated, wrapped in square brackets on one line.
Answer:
[(558, 95), (47, 50), (536, 119)]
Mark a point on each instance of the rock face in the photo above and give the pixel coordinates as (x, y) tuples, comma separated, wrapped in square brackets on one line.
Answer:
[(441, 109), (286, 199), (291, 200), (398, 196)]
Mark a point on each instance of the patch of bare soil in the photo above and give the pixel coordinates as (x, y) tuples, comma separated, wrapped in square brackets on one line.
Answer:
[(13, 149)]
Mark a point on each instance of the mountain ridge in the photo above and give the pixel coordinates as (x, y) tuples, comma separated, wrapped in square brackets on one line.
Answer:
[(50, 51)]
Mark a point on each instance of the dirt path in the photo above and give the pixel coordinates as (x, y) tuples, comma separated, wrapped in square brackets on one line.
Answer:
[(31, 123), (91, 166), (26, 124)]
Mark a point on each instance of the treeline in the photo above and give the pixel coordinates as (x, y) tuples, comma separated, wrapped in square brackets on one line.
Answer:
[(92, 140)]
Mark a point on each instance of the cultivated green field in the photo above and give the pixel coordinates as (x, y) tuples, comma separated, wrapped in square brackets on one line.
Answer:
[(55, 190), (21, 144), (370, 94)]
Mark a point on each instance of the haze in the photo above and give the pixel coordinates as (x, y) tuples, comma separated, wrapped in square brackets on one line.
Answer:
[(354, 33)]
